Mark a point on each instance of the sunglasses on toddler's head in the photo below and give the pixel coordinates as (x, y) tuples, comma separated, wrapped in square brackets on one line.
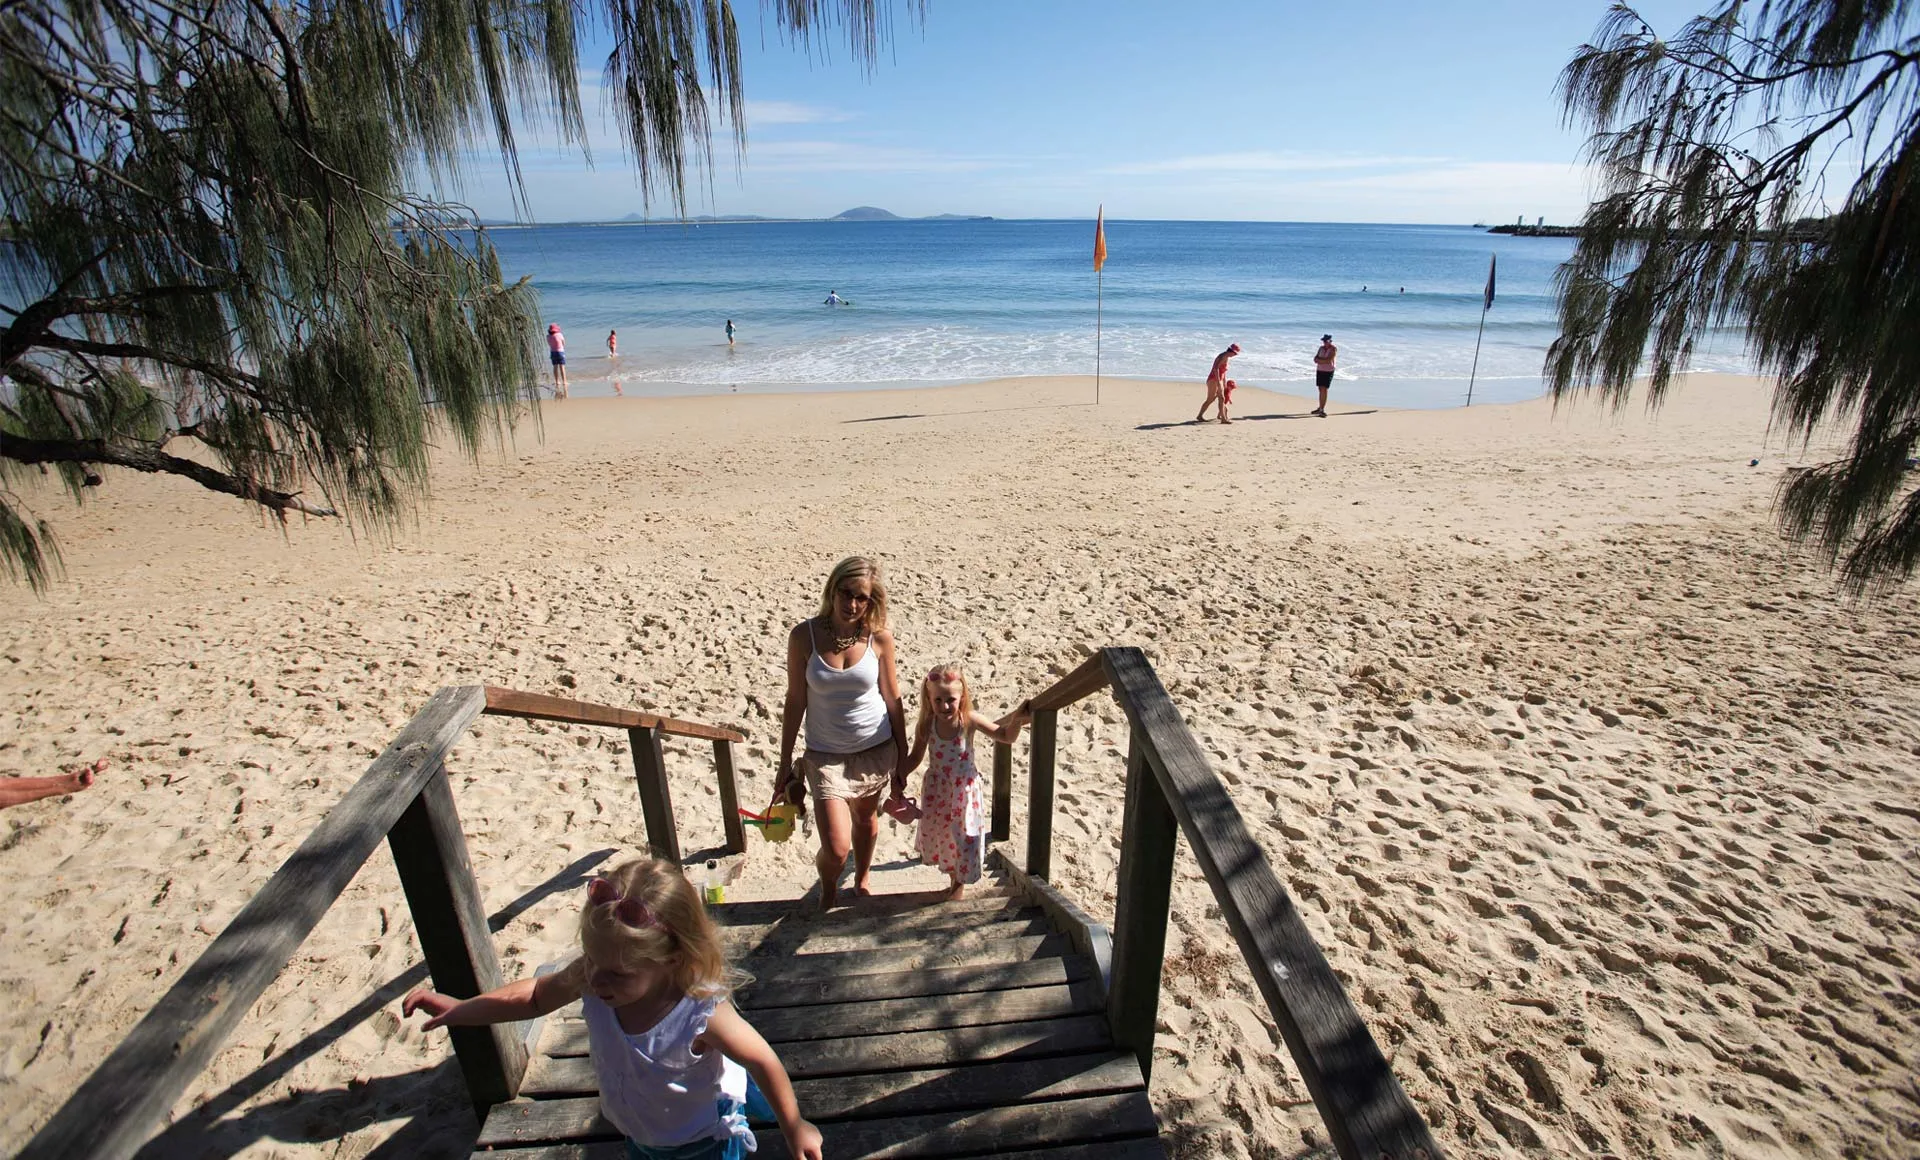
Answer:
[(629, 911)]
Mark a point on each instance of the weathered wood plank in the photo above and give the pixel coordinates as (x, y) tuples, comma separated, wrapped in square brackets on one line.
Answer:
[(729, 797), (731, 914), (886, 1016), (1361, 1102), (1145, 890), (761, 996), (605, 1150), (925, 1013), (430, 852), (881, 1094), (1044, 727), (562, 1065), (981, 1085), (989, 1131), (958, 938), (1002, 824), (881, 960), (1089, 937), (540, 707), (782, 937), (656, 797), (117, 1107), (1089, 678)]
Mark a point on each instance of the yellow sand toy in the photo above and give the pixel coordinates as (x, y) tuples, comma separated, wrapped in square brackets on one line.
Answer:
[(776, 825)]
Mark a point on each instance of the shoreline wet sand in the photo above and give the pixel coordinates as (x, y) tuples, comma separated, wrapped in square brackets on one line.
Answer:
[(1596, 793)]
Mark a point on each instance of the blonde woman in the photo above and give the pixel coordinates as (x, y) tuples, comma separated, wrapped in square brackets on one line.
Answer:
[(841, 681)]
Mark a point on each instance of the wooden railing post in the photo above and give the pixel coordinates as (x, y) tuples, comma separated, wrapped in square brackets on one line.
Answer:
[(1002, 826), (729, 797), (1140, 909), (430, 851), (656, 802), (1040, 794)]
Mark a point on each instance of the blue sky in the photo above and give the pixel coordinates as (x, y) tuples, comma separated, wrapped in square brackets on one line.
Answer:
[(1370, 110)]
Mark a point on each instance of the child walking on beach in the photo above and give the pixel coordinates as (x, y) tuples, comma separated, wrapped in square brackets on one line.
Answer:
[(953, 809), (672, 1055)]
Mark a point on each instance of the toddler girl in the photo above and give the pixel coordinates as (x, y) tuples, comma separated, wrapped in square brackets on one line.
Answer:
[(953, 809), (668, 1048)]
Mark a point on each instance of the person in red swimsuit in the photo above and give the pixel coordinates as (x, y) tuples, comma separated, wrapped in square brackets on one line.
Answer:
[(1216, 385)]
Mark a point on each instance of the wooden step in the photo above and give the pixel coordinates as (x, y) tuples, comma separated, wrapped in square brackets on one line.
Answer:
[(770, 991), (884, 1016), (887, 1094), (931, 919), (912, 957), (987, 1132), (1138, 1148), (739, 914), (945, 937), (1097, 1098), (573, 1073)]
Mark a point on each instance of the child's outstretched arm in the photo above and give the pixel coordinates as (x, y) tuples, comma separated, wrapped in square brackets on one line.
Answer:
[(737, 1039), (1006, 728), (526, 999)]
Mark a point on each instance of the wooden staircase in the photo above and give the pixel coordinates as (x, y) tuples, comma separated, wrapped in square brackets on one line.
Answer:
[(911, 1027)]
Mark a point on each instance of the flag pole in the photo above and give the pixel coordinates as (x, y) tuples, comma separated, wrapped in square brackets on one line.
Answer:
[(1471, 375), (1486, 304), (1099, 305)]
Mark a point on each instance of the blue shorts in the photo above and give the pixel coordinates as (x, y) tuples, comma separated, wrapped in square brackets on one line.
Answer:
[(559, 357), (733, 1148)]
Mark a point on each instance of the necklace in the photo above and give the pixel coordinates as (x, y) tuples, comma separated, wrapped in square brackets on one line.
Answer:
[(842, 643)]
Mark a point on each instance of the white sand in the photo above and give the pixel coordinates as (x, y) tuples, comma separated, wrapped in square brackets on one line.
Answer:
[(1599, 796)]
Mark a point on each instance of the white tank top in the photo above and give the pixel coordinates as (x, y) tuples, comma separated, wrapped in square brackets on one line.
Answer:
[(845, 711), (654, 1088)]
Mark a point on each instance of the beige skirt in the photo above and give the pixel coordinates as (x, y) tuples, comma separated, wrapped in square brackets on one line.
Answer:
[(849, 776)]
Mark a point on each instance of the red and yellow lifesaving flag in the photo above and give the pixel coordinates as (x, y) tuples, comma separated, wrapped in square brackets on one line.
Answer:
[(1100, 239)]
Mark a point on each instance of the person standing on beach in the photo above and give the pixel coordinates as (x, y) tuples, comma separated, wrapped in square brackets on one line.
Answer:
[(1217, 384), (841, 680), (1323, 370), (557, 355), (729, 332), (613, 344)]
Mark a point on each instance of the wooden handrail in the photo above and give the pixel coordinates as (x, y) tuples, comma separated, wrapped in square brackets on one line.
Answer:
[(540, 707), (1089, 678), (1171, 788), (116, 1108)]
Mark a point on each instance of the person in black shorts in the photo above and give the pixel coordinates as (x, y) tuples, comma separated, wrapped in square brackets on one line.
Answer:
[(1323, 370)]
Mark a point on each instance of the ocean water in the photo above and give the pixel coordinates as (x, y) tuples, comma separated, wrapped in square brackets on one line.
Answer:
[(937, 302)]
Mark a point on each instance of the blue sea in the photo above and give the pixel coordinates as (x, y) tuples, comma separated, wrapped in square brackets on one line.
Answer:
[(937, 302)]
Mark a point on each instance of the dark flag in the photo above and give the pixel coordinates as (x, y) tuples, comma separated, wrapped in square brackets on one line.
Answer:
[(1488, 304)]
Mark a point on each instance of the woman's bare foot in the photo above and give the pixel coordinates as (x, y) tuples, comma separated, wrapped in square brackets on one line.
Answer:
[(20, 790), (829, 894), (956, 892)]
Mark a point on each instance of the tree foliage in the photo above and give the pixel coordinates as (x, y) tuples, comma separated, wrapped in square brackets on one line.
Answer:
[(1758, 170), (214, 227)]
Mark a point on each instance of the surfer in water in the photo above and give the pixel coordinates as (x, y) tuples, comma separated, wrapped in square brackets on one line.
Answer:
[(834, 299)]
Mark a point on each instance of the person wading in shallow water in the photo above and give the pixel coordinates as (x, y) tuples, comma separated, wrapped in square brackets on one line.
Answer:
[(841, 680)]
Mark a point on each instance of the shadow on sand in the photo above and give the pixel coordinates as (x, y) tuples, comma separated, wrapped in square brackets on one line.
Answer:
[(431, 1101), (1253, 418)]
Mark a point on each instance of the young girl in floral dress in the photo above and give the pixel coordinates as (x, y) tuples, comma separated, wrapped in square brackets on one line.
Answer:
[(953, 808)]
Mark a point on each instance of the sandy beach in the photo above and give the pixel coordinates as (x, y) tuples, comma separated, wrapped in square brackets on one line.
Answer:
[(1599, 796)]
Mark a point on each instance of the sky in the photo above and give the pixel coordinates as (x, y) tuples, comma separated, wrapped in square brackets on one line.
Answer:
[(1263, 110)]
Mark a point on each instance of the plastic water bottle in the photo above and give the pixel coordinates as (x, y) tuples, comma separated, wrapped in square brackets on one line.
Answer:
[(712, 886)]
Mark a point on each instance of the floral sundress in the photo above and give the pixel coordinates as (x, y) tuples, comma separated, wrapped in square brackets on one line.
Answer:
[(953, 809)]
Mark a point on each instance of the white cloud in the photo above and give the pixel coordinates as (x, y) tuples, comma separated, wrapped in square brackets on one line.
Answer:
[(791, 113), (1263, 161), (849, 157)]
